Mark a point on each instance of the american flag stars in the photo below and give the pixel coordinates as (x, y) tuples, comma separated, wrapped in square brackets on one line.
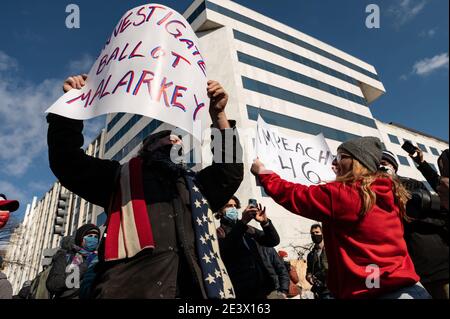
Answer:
[(216, 281)]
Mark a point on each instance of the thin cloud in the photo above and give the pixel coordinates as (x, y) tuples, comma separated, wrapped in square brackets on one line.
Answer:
[(13, 192), (429, 65), (28, 36), (23, 129), (7, 63), (428, 33), (38, 187), (404, 11), (82, 65)]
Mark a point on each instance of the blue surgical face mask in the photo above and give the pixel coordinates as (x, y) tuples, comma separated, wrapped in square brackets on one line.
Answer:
[(90, 243), (231, 213)]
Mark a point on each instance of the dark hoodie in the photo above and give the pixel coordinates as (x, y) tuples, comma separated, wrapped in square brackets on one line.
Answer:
[(354, 244), (5, 287), (56, 281)]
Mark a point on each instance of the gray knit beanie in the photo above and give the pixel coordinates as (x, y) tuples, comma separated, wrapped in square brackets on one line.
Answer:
[(367, 150)]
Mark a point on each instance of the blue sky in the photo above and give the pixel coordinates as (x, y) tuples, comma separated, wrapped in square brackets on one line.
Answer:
[(37, 51)]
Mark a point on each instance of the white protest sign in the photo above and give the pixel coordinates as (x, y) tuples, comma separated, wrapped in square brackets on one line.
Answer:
[(151, 65), (306, 161)]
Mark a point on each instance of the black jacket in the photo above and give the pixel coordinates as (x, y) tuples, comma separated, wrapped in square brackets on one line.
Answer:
[(426, 234), (241, 252), (56, 280), (317, 265), (430, 174), (24, 293), (276, 268), (151, 274)]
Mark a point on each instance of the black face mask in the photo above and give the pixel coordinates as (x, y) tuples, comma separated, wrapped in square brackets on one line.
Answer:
[(163, 153), (160, 160), (317, 239)]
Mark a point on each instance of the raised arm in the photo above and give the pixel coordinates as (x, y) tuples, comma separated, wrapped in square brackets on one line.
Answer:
[(430, 174), (221, 180), (313, 202), (91, 178), (268, 237), (427, 171)]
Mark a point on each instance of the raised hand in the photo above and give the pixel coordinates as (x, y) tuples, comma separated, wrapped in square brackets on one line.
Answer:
[(74, 82)]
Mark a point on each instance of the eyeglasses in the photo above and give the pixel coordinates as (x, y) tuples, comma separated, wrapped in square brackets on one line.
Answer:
[(341, 156)]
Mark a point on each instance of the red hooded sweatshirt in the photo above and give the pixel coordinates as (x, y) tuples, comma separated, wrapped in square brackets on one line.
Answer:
[(357, 248)]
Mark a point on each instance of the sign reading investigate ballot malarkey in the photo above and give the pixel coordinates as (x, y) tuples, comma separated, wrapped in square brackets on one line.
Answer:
[(151, 65)]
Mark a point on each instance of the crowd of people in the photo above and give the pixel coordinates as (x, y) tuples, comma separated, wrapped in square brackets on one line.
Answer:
[(378, 236)]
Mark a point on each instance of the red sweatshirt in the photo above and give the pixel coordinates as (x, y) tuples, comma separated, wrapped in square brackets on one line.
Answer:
[(352, 243)]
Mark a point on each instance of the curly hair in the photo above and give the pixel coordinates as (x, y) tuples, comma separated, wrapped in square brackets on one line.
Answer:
[(361, 176)]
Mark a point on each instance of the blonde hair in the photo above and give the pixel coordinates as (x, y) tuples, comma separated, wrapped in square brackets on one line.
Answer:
[(360, 174)]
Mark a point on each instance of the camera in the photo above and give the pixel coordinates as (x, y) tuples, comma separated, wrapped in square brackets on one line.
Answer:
[(422, 200), (425, 200), (252, 202)]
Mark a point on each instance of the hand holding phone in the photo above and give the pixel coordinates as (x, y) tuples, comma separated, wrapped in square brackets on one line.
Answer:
[(252, 202), (409, 147), (414, 152)]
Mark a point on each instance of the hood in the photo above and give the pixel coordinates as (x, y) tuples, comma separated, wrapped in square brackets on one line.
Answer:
[(67, 243), (82, 231), (385, 196)]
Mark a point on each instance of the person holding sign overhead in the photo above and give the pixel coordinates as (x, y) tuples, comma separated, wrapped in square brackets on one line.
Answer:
[(361, 214), (160, 239)]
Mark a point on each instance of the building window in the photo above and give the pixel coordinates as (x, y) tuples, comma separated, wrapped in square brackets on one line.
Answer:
[(101, 219), (136, 140), (292, 56), (123, 130), (289, 96), (403, 160), (114, 120), (279, 34), (394, 139), (434, 151), (422, 147), (298, 77)]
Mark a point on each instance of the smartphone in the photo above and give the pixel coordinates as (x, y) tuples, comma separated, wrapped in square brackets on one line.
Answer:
[(409, 147), (252, 202)]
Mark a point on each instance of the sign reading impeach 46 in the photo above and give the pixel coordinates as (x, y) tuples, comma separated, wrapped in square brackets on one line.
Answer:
[(150, 65), (300, 160)]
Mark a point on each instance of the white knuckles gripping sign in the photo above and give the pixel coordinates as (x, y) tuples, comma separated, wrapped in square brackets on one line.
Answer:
[(151, 65)]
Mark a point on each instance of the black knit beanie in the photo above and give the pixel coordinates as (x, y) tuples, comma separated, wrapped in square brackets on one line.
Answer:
[(82, 231)]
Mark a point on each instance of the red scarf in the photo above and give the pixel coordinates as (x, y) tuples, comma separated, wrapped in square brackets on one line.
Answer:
[(129, 230)]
